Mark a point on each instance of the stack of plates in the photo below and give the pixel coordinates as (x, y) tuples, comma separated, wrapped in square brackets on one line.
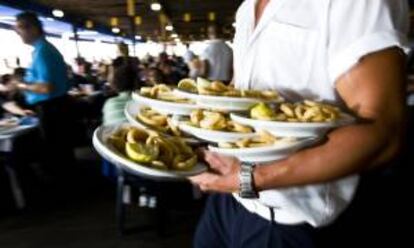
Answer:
[(165, 107), (222, 103), (305, 134)]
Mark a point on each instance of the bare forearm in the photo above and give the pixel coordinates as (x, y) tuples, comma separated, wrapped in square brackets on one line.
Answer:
[(347, 151), (41, 88)]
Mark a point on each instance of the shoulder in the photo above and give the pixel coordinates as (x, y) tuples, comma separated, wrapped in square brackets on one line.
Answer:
[(243, 9), (370, 5), (116, 102)]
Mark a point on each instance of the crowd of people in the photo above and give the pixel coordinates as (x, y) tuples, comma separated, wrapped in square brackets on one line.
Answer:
[(52, 90)]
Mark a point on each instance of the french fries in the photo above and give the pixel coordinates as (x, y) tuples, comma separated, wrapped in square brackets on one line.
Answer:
[(307, 111), (263, 139), (158, 121), (217, 88), (150, 149), (216, 121)]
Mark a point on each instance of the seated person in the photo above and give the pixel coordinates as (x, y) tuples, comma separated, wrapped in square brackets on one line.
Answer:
[(123, 80), (10, 99)]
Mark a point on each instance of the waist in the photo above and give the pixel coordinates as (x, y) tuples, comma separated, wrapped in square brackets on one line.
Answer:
[(317, 205), (276, 214)]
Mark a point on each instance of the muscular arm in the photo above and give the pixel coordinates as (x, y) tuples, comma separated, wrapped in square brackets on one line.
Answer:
[(374, 90)]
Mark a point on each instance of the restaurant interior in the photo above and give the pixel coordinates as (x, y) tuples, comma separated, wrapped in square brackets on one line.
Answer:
[(101, 195)]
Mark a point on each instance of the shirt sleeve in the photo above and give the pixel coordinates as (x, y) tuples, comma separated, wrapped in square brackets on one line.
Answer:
[(360, 27)]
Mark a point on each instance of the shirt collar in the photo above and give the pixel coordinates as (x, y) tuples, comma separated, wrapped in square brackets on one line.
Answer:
[(39, 42), (124, 94)]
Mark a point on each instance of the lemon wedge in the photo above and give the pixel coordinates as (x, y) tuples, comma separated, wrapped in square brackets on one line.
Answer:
[(140, 153)]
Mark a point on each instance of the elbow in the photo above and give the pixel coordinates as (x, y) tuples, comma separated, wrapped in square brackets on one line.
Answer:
[(393, 150)]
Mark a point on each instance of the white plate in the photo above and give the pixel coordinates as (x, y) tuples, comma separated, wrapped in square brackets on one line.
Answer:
[(275, 152), (107, 151), (132, 109), (164, 106), (221, 102), (293, 129), (212, 135)]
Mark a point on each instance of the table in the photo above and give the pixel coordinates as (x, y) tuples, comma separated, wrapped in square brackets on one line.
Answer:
[(7, 138)]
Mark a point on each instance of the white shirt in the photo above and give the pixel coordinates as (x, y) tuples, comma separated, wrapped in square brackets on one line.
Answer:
[(220, 60), (301, 48), (188, 56)]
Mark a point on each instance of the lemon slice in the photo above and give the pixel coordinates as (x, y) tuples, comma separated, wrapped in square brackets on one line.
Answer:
[(141, 153), (188, 84)]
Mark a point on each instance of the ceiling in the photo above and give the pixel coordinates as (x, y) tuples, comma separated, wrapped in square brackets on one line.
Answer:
[(153, 27)]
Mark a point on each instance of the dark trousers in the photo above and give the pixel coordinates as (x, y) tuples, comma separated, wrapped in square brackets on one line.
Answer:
[(226, 223), (56, 125)]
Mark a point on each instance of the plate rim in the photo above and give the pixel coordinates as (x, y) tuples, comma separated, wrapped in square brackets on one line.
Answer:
[(138, 97), (211, 132), (220, 98), (347, 119), (133, 121), (274, 148), (136, 167)]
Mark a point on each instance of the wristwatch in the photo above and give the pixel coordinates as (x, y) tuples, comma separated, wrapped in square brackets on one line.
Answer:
[(247, 189)]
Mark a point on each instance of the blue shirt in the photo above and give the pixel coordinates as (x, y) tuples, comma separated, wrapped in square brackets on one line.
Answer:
[(49, 67)]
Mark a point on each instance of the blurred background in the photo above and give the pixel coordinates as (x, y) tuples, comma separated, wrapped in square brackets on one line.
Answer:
[(82, 206)]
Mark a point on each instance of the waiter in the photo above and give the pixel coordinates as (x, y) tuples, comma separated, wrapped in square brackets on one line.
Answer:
[(45, 87), (343, 52)]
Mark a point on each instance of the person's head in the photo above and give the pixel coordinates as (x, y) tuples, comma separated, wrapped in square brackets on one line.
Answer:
[(123, 50), (5, 79), (166, 67), (154, 76), (19, 73), (29, 27), (213, 32), (162, 57), (124, 76)]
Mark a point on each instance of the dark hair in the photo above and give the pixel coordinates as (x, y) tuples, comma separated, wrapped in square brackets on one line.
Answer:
[(30, 18), (5, 79), (19, 72), (125, 76)]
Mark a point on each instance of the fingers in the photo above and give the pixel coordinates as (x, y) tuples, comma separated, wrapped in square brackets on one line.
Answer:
[(205, 181)]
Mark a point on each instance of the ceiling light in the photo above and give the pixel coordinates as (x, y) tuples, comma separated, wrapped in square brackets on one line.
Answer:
[(116, 30), (177, 40), (174, 35), (138, 37), (58, 13), (169, 28), (156, 6)]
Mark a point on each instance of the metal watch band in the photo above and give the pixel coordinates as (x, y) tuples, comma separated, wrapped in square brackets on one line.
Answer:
[(246, 181)]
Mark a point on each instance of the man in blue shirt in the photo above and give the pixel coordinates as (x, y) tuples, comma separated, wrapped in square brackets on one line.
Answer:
[(45, 87)]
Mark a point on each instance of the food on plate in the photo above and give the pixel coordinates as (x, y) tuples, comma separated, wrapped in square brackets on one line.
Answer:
[(188, 84), (158, 121), (263, 139), (162, 92), (216, 121), (306, 111), (151, 149), (217, 88)]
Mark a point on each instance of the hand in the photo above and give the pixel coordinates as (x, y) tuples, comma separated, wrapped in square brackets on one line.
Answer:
[(28, 112), (224, 174)]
